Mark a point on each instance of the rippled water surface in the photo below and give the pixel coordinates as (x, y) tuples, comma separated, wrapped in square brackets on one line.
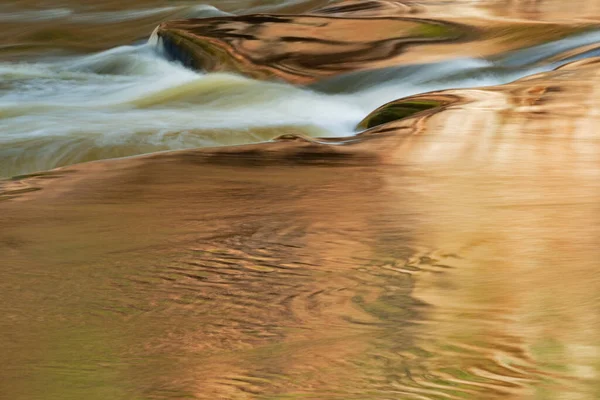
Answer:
[(264, 243)]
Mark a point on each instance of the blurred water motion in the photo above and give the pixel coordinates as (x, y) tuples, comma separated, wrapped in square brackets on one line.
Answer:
[(447, 251)]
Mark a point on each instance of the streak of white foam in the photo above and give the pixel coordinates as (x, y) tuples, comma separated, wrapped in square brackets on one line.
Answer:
[(130, 97)]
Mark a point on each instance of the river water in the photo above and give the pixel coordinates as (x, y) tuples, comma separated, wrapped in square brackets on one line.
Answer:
[(449, 255)]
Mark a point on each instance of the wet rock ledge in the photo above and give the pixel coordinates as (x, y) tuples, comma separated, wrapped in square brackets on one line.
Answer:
[(299, 49)]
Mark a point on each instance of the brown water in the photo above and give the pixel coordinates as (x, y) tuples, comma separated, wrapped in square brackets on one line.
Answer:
[(452, 254)]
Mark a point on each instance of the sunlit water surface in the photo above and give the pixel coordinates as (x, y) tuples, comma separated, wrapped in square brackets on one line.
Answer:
[(454, 259)]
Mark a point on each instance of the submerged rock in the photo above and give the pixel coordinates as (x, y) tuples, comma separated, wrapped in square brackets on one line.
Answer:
[(297, 48), (402, 108), (345, 37)]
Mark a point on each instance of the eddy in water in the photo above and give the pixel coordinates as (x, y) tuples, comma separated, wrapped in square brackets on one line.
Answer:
[(328, 200)]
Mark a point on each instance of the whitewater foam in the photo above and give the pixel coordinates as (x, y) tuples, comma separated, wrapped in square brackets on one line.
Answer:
[(130, 100)]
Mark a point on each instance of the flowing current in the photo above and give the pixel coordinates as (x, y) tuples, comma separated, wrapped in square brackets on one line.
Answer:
[(131, 100), (448, 252)]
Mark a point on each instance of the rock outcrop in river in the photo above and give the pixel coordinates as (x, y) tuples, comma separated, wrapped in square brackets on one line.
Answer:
[(298, 48), (341, 38)]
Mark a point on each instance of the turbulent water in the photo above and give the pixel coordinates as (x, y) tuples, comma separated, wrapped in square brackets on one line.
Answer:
[(131, 100), (449, 254)]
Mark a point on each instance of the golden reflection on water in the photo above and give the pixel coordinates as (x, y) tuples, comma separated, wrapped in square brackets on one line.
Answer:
[(47, 28), (58, 107), (512, 243), (44, 28), (452, 255), (348, 37)]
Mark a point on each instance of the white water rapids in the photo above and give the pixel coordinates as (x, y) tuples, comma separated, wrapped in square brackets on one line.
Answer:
[(130, 100)]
